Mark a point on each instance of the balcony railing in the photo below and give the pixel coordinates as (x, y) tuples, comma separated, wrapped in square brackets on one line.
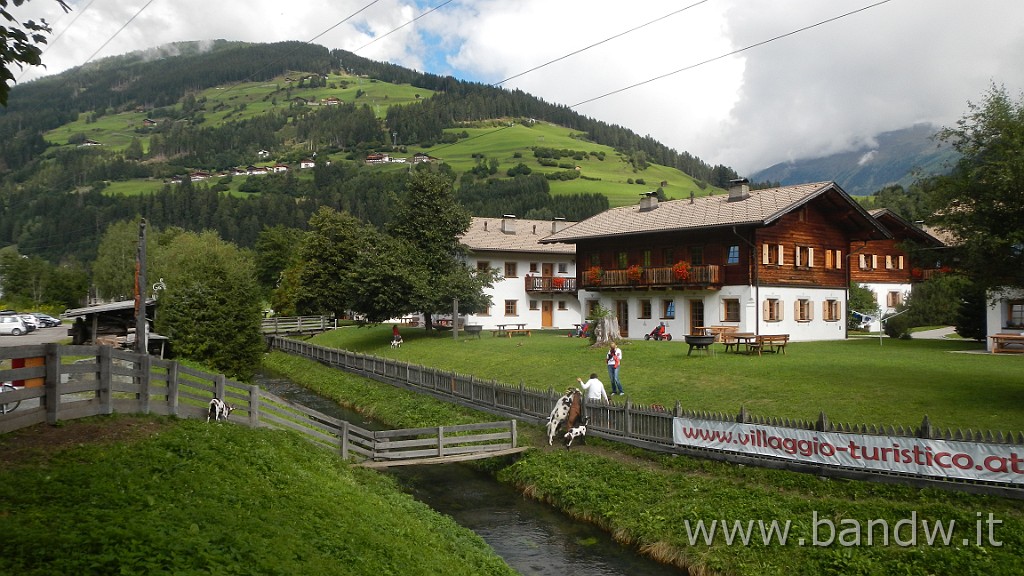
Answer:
[(698, 277), (550, 284)]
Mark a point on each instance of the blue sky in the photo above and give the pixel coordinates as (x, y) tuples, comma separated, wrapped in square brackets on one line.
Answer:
[(829, 88)]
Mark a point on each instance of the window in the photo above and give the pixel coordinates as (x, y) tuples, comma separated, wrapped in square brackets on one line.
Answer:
[(1015, 314), (804, 257), (772, 310), (623, 260), (730, 310), (645, 308), (733, 257), (668, 257), (868, 261), (563, 268), (595, 259), (834, 259), (831, 310), (534, 305), (511, 270), (511, 307), (668, 309), (889, 265), (771, 254), (486, 312), (533, 267), (696, 255), (483, 265), (647, 259), (802, 310), (893, 299), (561, 305), (592, 306)]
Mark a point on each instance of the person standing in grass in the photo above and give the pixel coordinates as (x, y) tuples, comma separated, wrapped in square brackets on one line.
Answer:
[(593, 389), (614, 358)]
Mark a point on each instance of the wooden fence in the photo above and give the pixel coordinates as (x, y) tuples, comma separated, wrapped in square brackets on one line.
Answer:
[(647, 426), (297, 324), (58, 383)]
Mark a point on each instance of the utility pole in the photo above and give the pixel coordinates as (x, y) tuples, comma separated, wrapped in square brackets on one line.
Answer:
[(140, 292)]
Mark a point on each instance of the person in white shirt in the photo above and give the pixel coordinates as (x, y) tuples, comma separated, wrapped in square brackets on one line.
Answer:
[(593, 389)]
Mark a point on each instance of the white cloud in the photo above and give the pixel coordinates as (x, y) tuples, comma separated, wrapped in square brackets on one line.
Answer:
[(825, 90)]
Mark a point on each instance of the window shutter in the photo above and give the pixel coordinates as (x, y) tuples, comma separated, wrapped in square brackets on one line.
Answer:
[(810, 310), (828, 258), (796, 309), (781, 309), (839, 259), (765, 307), (824, 310), (863, 261), (764, 253), (810, 257), (874, 261), (899, 261), (796, 255), (781, 259), (888, 262)]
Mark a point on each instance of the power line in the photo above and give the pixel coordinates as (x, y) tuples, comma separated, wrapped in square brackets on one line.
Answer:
[(393, 30), (114, 35), (610, 38), (734, 52)]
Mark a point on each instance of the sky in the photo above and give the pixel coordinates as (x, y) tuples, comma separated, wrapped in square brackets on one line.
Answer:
[(742, 83)]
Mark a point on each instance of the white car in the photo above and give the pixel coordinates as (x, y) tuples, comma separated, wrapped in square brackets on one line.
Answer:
[(31, 323), (12, 325)]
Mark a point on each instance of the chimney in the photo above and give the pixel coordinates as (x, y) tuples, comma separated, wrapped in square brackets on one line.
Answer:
[(557, 225), (508, 223), (739, 189), (648, 201)]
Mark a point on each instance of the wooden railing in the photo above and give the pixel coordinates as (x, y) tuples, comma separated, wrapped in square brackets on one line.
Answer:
[(104, 380), (297, 324), (699, 276), (554, 284)]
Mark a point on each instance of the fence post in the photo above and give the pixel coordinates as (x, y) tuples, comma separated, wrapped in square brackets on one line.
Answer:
[(926, 428), (440, 441), (823, 424), (254, 406), (145, 363), (344, 439), (515, 433), (218, 386), (172, 388), (51, 383), (743, 417), (104, 367)]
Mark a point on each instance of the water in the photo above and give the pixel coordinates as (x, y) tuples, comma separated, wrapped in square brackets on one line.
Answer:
[(533, 539)]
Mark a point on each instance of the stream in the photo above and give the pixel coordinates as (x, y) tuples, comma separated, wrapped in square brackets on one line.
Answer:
[(532, 538)]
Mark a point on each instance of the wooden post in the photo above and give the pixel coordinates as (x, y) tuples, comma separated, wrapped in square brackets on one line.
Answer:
[(344, 440), (145, 364), (52, 384), (104, 364), (172, 388), (515, 434), (440, 441), (254, 406), (218, 386)]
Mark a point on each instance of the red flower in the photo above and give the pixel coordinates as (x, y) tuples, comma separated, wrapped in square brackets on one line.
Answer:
[(635, 273), (593, 275), (681, 271)]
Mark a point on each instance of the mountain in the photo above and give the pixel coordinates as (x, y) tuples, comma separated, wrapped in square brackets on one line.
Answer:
[(899, 157)]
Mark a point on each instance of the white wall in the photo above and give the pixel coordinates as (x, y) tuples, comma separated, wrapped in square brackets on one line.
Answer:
[(996, 313), (881, 299), (515, 289)]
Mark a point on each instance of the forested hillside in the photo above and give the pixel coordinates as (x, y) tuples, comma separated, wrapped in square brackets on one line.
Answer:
[(127, 136)]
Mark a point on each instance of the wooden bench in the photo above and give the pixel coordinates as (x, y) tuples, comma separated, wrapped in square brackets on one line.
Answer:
[(771, 342), (1007, 343), (720, 332), (520, 331)]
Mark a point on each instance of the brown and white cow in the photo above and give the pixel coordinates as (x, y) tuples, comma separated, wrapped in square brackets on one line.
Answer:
[(567, 411)]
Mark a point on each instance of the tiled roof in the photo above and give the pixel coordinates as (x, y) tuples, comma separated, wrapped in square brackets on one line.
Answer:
[(487, 234), (760, 208)]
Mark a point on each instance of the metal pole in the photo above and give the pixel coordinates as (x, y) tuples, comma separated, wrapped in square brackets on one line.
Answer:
[(140, 291)]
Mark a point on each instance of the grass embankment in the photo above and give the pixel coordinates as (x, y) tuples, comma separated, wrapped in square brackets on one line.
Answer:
[(190, 498), (649, 500)]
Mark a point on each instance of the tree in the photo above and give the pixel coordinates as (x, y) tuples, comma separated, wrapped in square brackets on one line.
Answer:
[(19, 43), (431, 223), (210, 308), (861, 300), (113, 272), (276, 248), (328, 255), (981, 201)]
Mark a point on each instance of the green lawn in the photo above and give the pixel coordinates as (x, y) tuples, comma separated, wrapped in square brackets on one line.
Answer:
[(857, 381)]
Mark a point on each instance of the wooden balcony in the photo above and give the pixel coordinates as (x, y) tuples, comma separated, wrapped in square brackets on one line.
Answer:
[(657, 278), (550, 284)]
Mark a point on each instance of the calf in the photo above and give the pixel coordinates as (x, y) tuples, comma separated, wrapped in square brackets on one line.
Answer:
[(576, 432), (396, 342), (218, 410)]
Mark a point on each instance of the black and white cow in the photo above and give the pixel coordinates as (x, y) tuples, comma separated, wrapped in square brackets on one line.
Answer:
[(219, 410), (576, 432), (567, 410)]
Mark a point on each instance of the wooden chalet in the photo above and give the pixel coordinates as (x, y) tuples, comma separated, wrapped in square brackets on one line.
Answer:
[(773, 261)]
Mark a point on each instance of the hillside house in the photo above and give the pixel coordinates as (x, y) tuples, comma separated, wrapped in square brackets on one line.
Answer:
[(889, 267), (305, 164), (537, 285), (772, 261), (377, 158), (278, 168)]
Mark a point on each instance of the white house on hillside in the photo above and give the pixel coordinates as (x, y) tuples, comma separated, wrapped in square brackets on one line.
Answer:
[(537, 282)]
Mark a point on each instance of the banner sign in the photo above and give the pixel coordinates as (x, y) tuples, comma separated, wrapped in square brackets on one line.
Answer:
[(937, 458)]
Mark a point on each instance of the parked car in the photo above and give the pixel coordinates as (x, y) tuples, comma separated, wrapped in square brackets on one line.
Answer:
[(45, 320), (30, 322), (13, 325)]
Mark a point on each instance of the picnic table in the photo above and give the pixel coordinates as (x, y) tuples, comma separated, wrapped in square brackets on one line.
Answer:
[(735, 340), (1007, 343), (508, 330)]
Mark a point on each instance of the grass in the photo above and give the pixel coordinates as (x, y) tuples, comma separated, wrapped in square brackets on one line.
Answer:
[(218, 499), (646, 500), (859, 381)]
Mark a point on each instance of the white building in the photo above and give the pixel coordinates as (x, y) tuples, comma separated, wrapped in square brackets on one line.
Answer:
[(537, 282)]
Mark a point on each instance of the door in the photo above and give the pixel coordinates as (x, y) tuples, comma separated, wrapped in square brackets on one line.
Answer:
[(622, 312), (696, 316), (547, 309)]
